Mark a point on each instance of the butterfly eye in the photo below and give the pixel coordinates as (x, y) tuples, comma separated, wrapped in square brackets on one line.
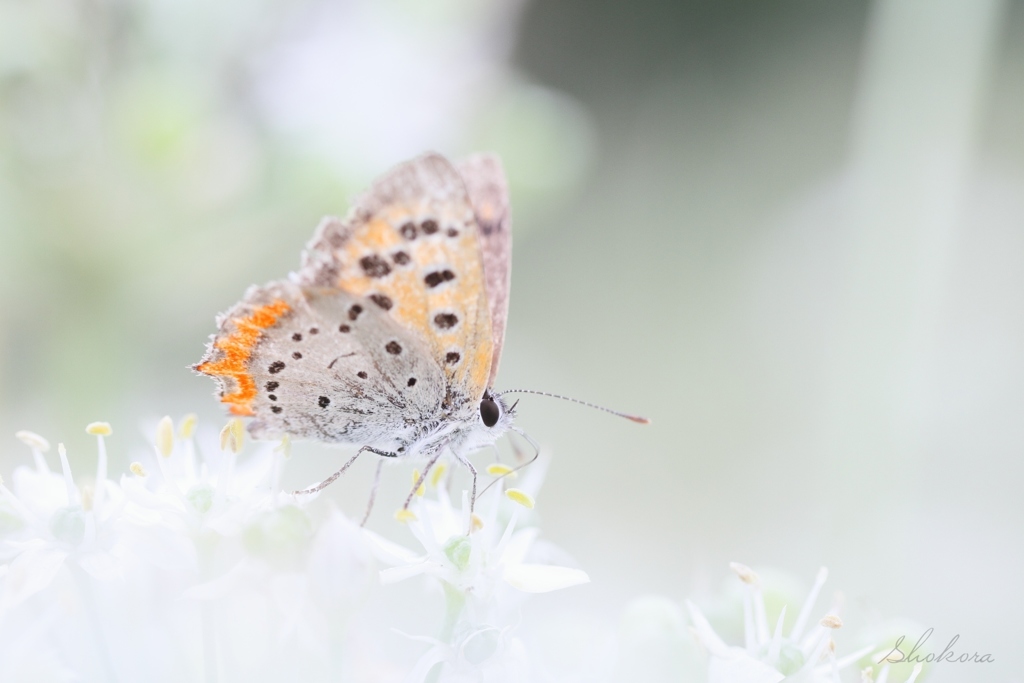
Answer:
[(489, 412)]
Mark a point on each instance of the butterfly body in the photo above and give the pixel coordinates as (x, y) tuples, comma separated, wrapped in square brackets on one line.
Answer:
[(389, 334)]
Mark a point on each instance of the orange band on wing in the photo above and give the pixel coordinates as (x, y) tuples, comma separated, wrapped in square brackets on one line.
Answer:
[(237, 348)]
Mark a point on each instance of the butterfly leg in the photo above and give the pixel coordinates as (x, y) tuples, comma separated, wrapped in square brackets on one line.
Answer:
[(472, 470), (422, 478), (373, 492), (331, 479)]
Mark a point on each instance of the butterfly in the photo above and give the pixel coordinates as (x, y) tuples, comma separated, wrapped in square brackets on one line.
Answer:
[(390, 333)]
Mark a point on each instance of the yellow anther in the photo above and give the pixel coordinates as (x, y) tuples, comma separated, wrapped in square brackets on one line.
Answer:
[(421, 489), (99, 429), (499, 470), (831, 621), (285, 447), (188, 426), (405, 515), (137, 469), (231, 436), (475, 523), (165, 436), (33, 440), (745, 573), (438, 474), (521, 497)]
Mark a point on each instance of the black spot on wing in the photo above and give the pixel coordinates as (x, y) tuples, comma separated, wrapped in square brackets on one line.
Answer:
[(374, 266), (383, 301), (437, 277), (275, 367), (446, 321)]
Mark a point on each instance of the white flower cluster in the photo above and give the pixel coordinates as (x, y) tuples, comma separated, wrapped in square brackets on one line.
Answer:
[(197, 567), (807, 654)]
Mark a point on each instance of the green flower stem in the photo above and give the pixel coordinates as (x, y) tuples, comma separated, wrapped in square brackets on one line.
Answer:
[(454, 602)]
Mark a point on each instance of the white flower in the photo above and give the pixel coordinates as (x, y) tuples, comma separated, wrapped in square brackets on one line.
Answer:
[(59, 523), (235, 574), (479, 561), (480, 564), (768, 656), (477, 653)]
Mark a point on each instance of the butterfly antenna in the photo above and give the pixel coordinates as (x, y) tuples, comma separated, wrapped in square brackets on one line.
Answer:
[(536, 454), (634, 418)]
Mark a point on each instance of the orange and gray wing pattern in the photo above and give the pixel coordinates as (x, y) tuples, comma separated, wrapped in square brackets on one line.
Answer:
[(411, 246)]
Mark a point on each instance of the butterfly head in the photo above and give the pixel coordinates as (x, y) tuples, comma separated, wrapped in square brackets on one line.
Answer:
[(490, 418)]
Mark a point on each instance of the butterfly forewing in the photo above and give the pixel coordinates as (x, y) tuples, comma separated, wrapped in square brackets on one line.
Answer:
[(488, 192), (411, 247)]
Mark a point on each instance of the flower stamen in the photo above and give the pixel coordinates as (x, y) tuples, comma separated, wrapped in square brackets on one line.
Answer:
[(69, 483), (521, 497), (499, 470), (99, 429), (188, 426), (405, 515), (165, 436), (232, 435), (438, 474), (39, 445)]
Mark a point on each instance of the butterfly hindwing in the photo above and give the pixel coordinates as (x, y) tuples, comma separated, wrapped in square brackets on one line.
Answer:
[(329, 366)]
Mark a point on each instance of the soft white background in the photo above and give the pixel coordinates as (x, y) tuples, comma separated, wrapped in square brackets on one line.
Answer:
[(790, 233)]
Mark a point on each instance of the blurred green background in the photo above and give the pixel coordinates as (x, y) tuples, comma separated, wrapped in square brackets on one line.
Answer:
[(791, 233)]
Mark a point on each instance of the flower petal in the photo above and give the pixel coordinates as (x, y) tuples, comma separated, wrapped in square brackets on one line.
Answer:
[(222, 585), (542, 578), (407, 571), (101, 565), (739, 667), (389, 552), (519, 545), (31, 572), (704, 633)]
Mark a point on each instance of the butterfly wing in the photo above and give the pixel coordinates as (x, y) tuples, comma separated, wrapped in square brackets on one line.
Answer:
[(405, 266), (410, 245), (322, 364), (488, 192)]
